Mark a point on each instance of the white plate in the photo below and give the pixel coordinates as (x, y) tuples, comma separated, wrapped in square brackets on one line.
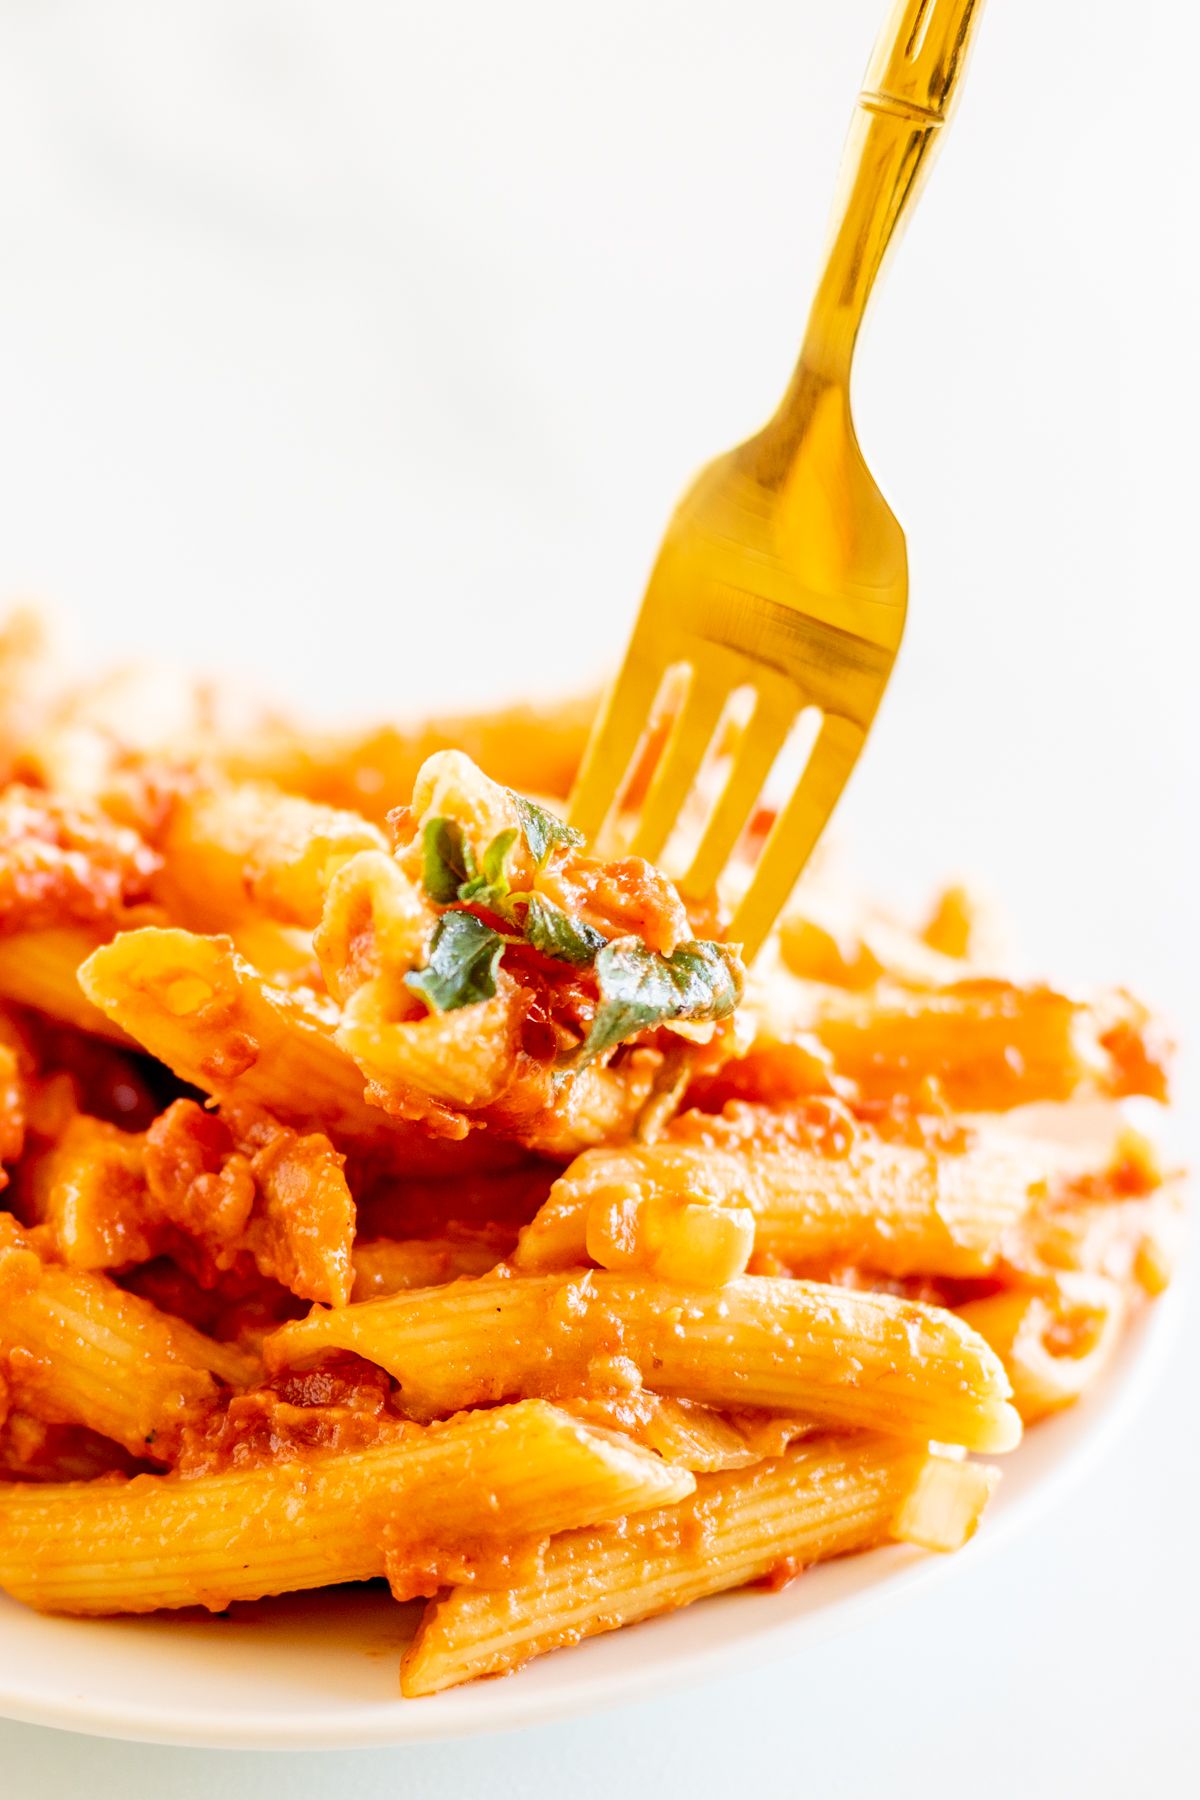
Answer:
[(320, 1671)]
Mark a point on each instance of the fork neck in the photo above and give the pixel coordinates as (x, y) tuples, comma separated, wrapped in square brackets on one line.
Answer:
[(910, 85), (886, 156)]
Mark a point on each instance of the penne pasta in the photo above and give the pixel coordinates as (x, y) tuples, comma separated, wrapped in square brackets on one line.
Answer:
[(33, 1450), (1053, 1343), (816, 1188), (1135, 1240), (533, 749), (842, 1358), (394, 1265), (984, 1045), (691, 1436), (199, 1007), (823, 1498), (966, 923), (436, 1065), (816, 944), (246, 850), (40, 969), (80, 1351), (202, 1010), (427, 1497), (282, 954), (470, 968)]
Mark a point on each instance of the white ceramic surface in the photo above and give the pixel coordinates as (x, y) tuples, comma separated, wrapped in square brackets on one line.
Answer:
[(321, 1671)]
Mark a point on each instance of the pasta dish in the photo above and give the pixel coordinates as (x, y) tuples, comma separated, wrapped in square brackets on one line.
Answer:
[(397, 1189)]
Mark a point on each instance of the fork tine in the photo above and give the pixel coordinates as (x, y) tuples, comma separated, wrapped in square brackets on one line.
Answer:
[(614, 740), (690, 735), (764, 737), (796, 830)]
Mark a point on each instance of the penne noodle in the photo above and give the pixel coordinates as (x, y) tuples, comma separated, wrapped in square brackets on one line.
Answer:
[(195, 1004), (1137, 1240), (823, 1498), (205, 1012), (33, 1450), (842, 1358), (40, 969), (462, 1059), (533, 749), (81, 1351), (471, 1060), (986, 1045), (691, 1436), (450, 1066), (816, 945), (248, 850), (385, 1266), (966, 923), (497, 1478), (282, 954), (1053, 1343), (816, 1195)]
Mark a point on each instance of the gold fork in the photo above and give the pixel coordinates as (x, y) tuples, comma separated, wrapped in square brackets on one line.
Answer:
[(784, 570)]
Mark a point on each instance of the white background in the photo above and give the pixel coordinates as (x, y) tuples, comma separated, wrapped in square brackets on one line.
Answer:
[(363, 348)]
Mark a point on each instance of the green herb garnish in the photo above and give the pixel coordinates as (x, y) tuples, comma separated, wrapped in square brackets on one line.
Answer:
[(448, 862), (640, 989), (543, 831), (465, 952), (549, 930), (463, 958), (491, 886)]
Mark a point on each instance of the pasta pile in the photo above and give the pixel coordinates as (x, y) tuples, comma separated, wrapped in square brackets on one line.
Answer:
[(395, 1189)]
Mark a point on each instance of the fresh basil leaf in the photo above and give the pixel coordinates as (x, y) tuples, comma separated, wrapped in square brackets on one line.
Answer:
[(448, 860), (491, 887), (543, 831), (463, 958), (640, 989), (495, 857), (549, 930)]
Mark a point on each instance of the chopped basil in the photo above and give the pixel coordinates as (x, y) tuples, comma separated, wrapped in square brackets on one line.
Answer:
[(640, 989), (451, 872), (543, 831), (546, 927), (461, 970), (448, 860), (549, 930), (495, 857), (491, 888)]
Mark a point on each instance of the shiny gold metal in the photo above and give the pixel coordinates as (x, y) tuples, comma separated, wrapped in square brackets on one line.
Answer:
[(784, 570)]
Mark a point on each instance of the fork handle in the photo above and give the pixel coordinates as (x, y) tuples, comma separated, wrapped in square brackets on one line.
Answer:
[(911, 82)]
